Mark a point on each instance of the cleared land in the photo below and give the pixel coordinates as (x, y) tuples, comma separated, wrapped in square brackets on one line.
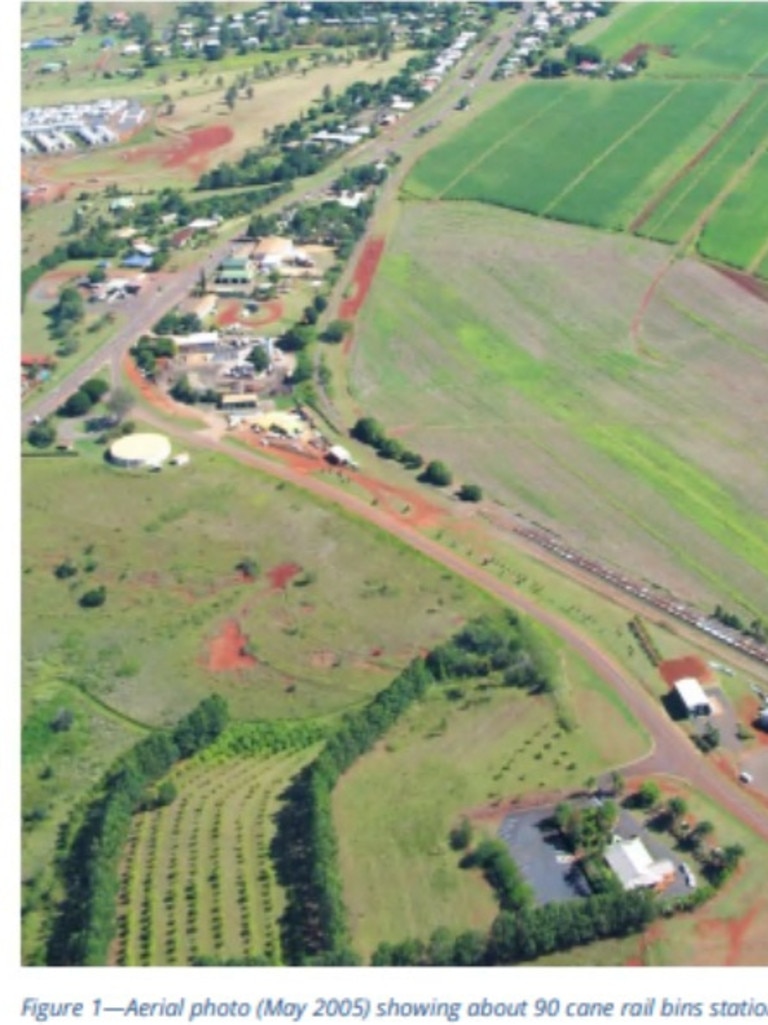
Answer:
[(508, 356), (462, 747), (196, 877)]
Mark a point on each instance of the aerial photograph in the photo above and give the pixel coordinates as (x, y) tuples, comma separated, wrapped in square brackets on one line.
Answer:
[(394, 487)]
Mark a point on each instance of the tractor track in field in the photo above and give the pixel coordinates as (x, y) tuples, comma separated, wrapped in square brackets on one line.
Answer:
[(656, 200), (671, 753), (690, 238)]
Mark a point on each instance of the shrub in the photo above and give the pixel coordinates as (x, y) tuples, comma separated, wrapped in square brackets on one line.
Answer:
[(94, 598), (470, 493), (42, 435), (65, 570), (95, 388), (78, 404), (437, 474)]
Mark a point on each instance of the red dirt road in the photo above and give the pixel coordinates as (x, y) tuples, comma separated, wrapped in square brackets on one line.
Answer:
[(672, 753), (232, 313), (362, 278), (282, 575)]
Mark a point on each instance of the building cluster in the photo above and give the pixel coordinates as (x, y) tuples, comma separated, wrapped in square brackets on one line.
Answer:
[(60, 128), (246, 260), (432, 77), (543, 22)]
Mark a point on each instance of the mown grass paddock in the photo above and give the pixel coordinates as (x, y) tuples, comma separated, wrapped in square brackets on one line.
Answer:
[(460, 750), (503, 345)]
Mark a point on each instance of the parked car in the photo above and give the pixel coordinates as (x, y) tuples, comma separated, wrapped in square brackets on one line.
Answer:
[(746, 777)]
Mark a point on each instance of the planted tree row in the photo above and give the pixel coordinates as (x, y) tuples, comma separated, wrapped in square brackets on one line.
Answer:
[(86, 923)]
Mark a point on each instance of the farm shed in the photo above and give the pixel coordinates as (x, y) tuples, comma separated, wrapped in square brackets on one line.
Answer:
[(238, 401), (272, 250), (634, 866), (140, 450), (198, 341), (693, 697), (339, 455)]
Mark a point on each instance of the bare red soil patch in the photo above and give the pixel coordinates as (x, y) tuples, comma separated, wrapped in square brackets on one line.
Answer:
[(641, 49), (280, 576), (363, 276), (675, 669), (741, 937), (190, 151), (755, 287), (232, 313), (229, 649)]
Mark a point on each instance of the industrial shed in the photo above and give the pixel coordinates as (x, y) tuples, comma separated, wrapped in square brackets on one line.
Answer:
[(693, 697)]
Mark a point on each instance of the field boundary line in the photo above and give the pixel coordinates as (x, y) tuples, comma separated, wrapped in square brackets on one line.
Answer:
[(607, 152), (499, 142), (758, 258), (658, 198), (690, 239)]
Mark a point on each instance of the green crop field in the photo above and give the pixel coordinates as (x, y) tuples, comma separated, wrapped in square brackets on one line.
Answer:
[(196, 876), (738, 232), (679, 207), (510, 356), (705, 39), (459, 749), (591, 152)]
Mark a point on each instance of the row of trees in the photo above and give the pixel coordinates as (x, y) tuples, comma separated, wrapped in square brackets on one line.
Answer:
[(314, 925), (529, 933), (85, 398), (86, 923)]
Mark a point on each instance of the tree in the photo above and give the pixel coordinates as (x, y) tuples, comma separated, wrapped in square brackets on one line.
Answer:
[(259, 358), (97, 275), (94, 598), (368, 431), (95, 388), (78, 404), (437, 474), (63, 720), (230, 97), (120, 402), (461, 835), (677, 809), (618, 784), (470, 493), (83, 16), (550, 67), (648, 795), (335, 331), (42, 435), (69, 308)]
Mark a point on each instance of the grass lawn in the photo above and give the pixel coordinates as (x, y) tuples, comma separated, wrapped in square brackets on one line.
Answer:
[(510, 357), (460, 748)]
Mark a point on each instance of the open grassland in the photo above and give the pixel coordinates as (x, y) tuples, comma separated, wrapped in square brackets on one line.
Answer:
[(166, 546), (461, 748), (738, 232), (196, 877), (701, 40), (509, 356)]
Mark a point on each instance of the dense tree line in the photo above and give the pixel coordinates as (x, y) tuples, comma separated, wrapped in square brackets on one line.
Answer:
[(529, 933), (314, 924), (85, 924), (501, 873)]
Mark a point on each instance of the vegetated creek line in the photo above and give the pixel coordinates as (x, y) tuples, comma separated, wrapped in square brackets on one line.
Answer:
[(674, 750)]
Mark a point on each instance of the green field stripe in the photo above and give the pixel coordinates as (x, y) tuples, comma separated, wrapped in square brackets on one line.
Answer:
[(632, 130), (708, 168), (738, 226), (520, 127)]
